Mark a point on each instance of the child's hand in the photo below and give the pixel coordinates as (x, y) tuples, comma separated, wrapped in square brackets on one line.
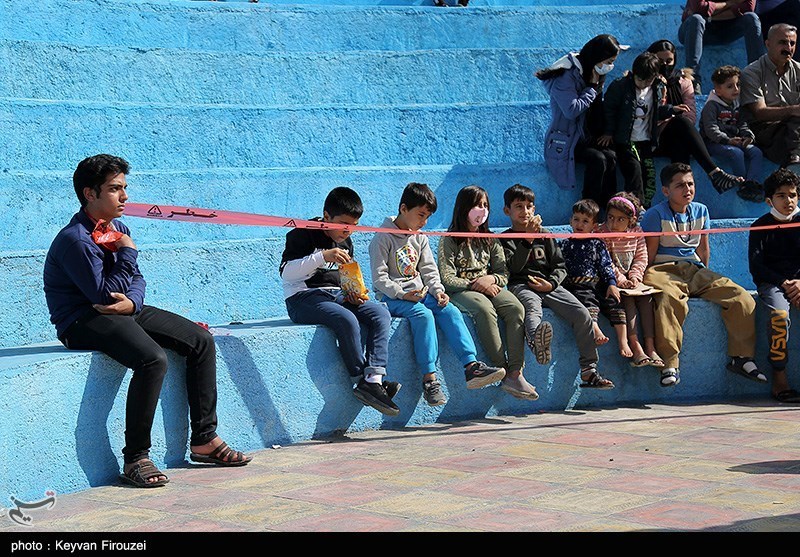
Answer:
[(336, 255), (627, 283), (355, 299), (539, 284), (605, 140), (613, 292), (746, 141), (442, 298), (481, 284), (634, 282), (414, 296), (534, 225), (736, 141), (680, 108)]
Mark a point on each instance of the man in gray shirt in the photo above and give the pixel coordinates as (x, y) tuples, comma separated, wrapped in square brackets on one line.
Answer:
[(770, 97)]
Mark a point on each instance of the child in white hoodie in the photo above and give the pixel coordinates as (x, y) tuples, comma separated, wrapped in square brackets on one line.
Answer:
[(726, 134), (406, 277)]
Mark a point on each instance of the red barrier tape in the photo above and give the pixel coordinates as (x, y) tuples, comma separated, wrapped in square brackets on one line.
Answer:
[(213, 216)]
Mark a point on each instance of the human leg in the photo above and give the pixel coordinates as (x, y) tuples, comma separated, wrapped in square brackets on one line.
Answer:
[(317, 306), (600, 172), (778, 326), (690, 34), (483, 313), (670, 308)]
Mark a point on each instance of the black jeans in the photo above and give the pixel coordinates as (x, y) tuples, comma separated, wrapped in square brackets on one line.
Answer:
[(637, 167), (600, 175), (680, 141), (138, 342)]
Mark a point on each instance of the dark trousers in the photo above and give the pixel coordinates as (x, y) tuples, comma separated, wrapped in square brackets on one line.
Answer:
[(317, 306), (600, 173), (680, 141), (138, 342), (778, 140), (596, 302), (637, 167)]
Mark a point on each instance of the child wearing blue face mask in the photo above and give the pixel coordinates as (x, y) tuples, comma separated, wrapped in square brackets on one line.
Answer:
[(474, 274), (575, 85)]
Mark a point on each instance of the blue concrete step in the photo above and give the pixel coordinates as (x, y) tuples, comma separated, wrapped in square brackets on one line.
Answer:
[(54, 135), (280, 383), (170, 76), (258, 27), (231, 280)]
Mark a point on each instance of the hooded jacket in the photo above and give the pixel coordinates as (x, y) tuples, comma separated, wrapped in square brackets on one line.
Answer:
[(402, 262), (720, 121), (570, 99)]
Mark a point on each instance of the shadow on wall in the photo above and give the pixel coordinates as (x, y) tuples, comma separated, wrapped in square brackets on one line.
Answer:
[(249, 383)]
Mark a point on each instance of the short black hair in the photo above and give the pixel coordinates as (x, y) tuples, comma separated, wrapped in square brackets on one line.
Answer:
[(418, 195), (518, 192), (781, 177), (588, 207), (646, 66), (92, 172), (343, 201), (724, 73), (672, 170)]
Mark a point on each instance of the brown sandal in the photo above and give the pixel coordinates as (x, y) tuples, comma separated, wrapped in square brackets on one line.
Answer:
[(223, 455), (141, 472), (595, 381)]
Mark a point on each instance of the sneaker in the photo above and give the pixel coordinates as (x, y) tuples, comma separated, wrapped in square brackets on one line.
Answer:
[(440, 3), (540, 344), (432, 393), (751, 190), (670, 376), (373, 394), (698, 88), (519, 387), (478, 375), (746, 367), (463, 3), (392, 388), (722, 181)]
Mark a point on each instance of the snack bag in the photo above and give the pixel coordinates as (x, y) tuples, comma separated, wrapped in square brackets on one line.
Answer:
[(105, 235), (352, 280)]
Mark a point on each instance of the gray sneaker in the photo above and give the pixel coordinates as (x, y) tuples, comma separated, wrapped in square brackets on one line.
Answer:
[(432, 393), (518, 387), (478, 375)]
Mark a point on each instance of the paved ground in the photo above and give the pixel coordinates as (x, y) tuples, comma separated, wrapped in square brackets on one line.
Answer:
[(712, 467)]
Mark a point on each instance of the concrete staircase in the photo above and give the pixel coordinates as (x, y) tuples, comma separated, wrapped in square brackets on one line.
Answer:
[(264, 108)]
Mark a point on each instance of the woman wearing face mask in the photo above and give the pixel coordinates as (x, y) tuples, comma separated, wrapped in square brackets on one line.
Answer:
[(474, 274), (679, 139), (575, 84)]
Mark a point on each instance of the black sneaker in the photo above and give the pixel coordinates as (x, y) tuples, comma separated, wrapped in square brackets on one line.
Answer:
[(392, 388), (432, 393), (373, 394), (751, 190), (479, 375), (540, 343), (722, 181)]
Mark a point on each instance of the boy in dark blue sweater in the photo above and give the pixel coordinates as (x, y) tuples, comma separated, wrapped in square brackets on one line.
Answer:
[(775, 265), (95, 294)]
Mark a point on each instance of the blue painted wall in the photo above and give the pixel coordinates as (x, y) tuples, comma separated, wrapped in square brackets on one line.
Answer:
[(264, 108)]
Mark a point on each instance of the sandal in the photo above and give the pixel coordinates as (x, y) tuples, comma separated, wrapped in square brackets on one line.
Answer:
[(223, 455), (595, 381), (656, 362), (641, 362), (668, 373), (141, 472), (789, 395)]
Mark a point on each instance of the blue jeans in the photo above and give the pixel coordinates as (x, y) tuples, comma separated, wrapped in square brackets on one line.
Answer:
[(741, 162), (423, 317), (695, 31), (318, 306)]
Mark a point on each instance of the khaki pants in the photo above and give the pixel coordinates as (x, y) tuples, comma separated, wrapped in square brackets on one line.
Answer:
[(484, 311), (682, 280)]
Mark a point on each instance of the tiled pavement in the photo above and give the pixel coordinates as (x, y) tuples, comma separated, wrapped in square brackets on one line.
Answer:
[(709, 467)]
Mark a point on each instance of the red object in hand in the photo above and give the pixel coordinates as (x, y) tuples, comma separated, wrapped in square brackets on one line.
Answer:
[(105, 236)]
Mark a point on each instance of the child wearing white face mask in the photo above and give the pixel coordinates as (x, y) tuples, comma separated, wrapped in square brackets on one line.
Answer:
[(474, 274), (775, 265)]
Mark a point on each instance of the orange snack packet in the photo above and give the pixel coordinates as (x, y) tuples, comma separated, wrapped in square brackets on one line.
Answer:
[(105, 235), (352, 280)]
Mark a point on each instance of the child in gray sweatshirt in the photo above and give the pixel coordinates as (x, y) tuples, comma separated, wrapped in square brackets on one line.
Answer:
[(405, 276)]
